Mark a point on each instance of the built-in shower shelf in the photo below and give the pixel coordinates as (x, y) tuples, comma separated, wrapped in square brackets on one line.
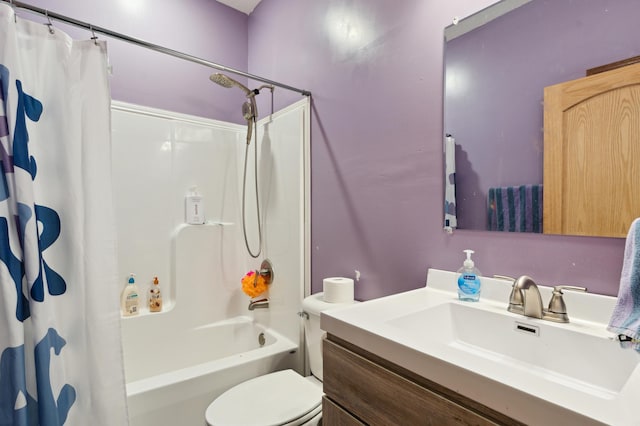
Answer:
[(207, 224)]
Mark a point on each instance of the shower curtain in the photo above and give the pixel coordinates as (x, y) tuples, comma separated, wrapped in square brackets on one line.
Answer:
[(60, 348)]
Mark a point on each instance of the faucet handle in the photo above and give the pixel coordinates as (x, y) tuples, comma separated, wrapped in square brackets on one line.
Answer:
[(556, 303), (504, 277), (516, 296)]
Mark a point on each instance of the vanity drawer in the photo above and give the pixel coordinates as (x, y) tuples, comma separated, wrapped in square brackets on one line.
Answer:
[(334, 415), (378, 396)]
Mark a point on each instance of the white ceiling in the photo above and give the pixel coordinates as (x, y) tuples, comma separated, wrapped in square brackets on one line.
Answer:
[(245, 6)]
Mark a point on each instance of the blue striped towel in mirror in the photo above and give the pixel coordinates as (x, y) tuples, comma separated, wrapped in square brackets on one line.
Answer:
[(515, 208)]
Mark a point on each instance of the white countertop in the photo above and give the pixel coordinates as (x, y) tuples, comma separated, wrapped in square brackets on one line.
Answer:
[(518, 389)]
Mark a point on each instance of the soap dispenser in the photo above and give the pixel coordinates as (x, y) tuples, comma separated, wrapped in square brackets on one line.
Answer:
[(194, 207), (129, 298), (469, 280)]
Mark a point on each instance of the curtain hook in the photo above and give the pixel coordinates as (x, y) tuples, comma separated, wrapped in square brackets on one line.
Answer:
[(49, 23), (15, 15), (94, 37)]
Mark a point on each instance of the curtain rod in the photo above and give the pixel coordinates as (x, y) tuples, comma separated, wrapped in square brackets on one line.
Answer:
[(104, 31)]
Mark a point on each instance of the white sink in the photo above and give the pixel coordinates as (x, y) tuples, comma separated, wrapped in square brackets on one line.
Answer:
[(572, 357), (535, 371)]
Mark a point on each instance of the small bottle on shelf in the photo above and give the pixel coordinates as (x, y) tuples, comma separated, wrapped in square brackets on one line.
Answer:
[(129, 299), (155, 297)]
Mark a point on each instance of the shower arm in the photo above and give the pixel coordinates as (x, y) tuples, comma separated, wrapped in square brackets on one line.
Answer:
[(257, 90), (252, 98)]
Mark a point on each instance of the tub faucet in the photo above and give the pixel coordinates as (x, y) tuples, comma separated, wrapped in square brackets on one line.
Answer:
[(525, 299), (258, 304)]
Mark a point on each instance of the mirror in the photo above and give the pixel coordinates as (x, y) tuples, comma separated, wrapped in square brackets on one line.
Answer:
[(497, 63)]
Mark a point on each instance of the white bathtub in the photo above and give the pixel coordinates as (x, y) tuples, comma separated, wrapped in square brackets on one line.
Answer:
[(172, 381)]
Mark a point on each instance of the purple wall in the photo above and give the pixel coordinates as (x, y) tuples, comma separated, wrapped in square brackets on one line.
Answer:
[(500, 142), (375, 70)]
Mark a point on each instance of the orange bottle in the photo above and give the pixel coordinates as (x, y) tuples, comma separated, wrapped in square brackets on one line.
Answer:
[(155, 297)]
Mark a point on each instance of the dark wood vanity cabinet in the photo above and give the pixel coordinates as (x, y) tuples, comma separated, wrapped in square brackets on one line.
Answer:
[(363, 389)]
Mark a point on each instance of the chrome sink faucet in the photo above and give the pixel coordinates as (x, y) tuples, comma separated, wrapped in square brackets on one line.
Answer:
[(525, 299)]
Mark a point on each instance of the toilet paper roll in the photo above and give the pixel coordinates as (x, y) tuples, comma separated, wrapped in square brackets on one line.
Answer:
[(337, 290)]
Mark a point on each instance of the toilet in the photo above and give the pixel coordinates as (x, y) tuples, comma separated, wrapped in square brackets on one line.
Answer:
[(280, 398)]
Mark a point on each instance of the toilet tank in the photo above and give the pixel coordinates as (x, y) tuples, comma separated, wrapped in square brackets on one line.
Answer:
[(313, 305)]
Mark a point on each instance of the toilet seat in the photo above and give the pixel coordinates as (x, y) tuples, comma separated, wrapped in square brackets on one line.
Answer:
[(276, 399)]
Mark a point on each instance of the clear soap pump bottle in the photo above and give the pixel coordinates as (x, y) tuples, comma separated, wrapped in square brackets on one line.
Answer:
[(469, 284)]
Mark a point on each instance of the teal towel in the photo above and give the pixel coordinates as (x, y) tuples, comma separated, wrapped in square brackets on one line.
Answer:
[(515, 208)]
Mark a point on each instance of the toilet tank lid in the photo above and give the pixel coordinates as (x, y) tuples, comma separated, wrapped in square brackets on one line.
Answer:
[(315, 304)]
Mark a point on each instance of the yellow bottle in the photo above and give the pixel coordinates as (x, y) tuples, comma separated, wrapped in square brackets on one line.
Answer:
[(155, 298)]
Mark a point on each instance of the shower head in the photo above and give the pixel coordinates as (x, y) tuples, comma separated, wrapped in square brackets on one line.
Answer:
[(228, 82), (249, 108)]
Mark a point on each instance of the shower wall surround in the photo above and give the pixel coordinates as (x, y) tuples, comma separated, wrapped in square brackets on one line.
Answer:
[(157, 156)]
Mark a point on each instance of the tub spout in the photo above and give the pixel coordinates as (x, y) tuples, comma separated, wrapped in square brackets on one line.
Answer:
[(258, 304)]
